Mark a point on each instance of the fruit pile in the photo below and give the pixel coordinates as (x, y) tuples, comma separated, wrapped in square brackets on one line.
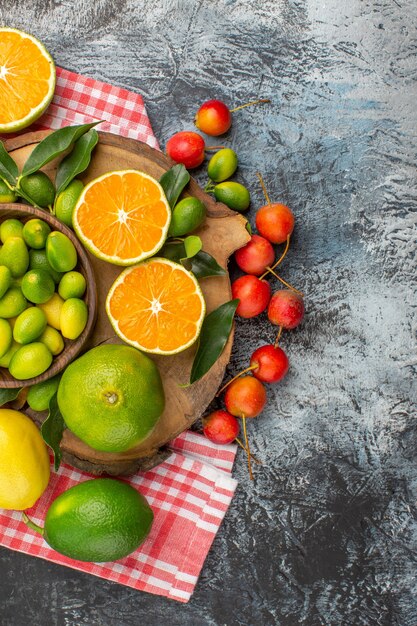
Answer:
[(40, 296)]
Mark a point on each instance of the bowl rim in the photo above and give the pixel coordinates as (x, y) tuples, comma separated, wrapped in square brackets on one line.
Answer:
[(84, 265)]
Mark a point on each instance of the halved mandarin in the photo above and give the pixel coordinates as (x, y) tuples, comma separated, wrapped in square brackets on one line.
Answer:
[(27, 79), (156, 306), (122, 217)]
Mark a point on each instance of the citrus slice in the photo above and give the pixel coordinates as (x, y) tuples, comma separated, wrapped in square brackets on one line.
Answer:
[(156, 306), (27, 79), (122, 217)]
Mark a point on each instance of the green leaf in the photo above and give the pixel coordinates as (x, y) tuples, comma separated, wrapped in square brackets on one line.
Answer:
[(248, 228), (173, 182), (192, 245), (8, 168), (77, 161), (204, 265), (7, 395), (52, 430), (53, 145), (173, 251), (213, 338)]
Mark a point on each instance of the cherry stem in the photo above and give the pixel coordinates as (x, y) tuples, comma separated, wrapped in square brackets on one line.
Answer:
[(32, 525), (249, 104), (281, 328), (248, 453), (261, 180), (281, 258), (213, 148), (240, 443), (248, 369), (284, 282)]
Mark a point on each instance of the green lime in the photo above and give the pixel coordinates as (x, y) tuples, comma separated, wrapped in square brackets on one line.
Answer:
[(53, 340), (11, 228), (14, 255), (6, 337), (35, 233), (74, 315), (60, 252), (38, 286), (222, 165), (7, 357), (39, 188), (98, 520), (30, 361), (66, 201), (234, 195), (111, 397), (12, 303), (72, 285), (52, 310), (6, 194), (29, 325), (38, 261), (39, 395), (5, 279), (187, 215)]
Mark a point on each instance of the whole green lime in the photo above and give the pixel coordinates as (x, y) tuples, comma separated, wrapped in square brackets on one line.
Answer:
[(5, 279), (39, 188), (73, 319), (187, 215), (10, 228), (98, 520), (222, 165), (60, 252), (53, 340), (35, 232), (12, 303), (14, 255), (111, 397), (72, 285), (30, 360), (38, 286), (7, 357), (234, 195), (6, 337), (38, 261), (65, 201), (6, 194), (29, 325), (39, 395)]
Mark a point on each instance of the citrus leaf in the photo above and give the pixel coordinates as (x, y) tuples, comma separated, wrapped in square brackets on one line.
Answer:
[(248, 228), (214, 334), (7, 395), (77, 161), (8, 168), (204, 265), (173, 182), (173, 251), (52, 430), (53, 145), (192, 245)]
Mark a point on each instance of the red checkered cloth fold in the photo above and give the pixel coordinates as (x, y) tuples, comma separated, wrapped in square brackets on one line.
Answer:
[(191, 491)]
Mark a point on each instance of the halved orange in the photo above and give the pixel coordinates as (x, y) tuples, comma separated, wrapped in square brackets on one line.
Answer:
[(122, 217), (156, 306), (27, 79)]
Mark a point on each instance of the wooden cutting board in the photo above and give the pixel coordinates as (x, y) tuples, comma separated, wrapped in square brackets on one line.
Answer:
[(222, 233)]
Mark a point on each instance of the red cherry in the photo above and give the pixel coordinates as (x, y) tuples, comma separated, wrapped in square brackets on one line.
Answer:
[(221, 427), (253, 293), (245, 397), (272, 364), (286, 309), (186, 147), (213, 118), (255, 256), (275, 222)]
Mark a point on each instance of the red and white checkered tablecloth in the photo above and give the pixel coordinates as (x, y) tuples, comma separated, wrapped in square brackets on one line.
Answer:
[(191, 491)]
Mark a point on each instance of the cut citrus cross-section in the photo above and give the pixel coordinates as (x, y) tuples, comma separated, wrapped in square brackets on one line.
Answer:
[(27, 79), (156, 306), (122, 217)]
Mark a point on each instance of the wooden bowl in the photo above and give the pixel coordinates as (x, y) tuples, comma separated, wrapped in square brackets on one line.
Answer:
[(72, 348)]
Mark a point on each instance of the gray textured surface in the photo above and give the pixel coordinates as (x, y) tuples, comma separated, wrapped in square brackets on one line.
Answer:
[(326, 535)]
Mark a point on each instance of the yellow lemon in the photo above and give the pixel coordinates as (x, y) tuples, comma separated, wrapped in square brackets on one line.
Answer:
[(52, 310), (24, 461)]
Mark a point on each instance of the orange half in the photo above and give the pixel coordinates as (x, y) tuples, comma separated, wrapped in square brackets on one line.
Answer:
[(122, 217), (156, 306), (27, 79)]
